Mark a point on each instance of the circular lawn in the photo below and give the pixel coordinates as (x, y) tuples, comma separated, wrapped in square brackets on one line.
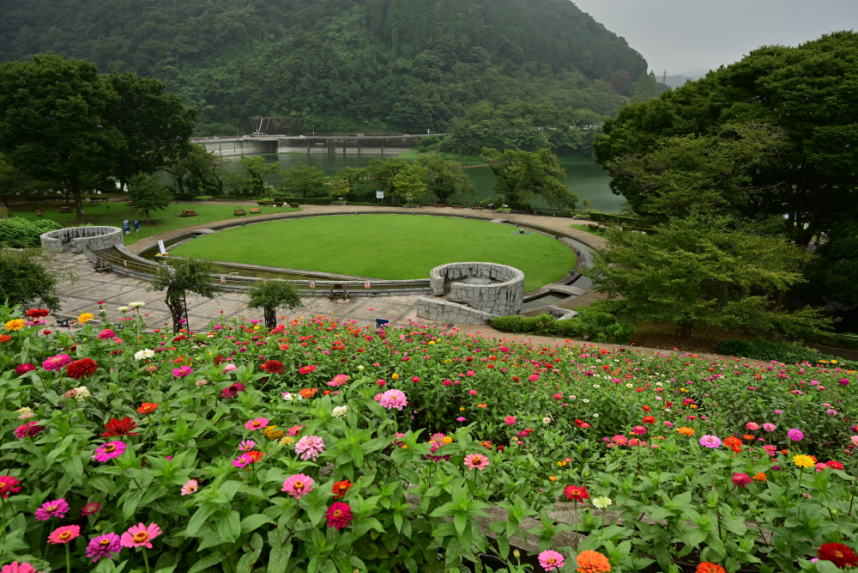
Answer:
[(385, 246)]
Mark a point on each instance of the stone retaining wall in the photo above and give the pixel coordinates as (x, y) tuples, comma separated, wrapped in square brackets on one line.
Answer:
[(83, 238), (500, 299), (441, 310)]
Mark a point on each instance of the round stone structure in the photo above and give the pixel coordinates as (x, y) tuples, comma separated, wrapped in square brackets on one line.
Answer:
[(501, 295), (83, 238)]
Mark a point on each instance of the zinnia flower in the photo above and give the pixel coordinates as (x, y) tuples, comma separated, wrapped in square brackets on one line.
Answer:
[(22, 369), (106, 334), (338, 380), (575, 493), (144, 354), (306, 369), (340, 411), (140, 535), (30, 429), (551, 560), (795, 435), (753, 426), (64, 534), (16, 324), (707, 567), (803, 461), (183, 371), (339, 515), (56, 362), (91, 508), (190, 487), (602, 502), (109, 451), (8, 485), (592, 562), (85, 317), (639, 430), (476, 462), (309, 447), (341, 488), (273, 367), (103, 546), (839, 554), (509, 420), (256, 424), (57, 508), (741, 480), (16, 567), (393, 399), (147, 408), (298, 485), (769, 427), (116, 428), (710, 441)]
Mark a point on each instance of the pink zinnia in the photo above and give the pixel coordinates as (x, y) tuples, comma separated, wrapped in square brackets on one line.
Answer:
[(246, 445), (56, 362), (639, 430), (534, 378), (109, 451), (103, 546), (393, 399), (338, 380), (91, 508), (621, 440), (551, 560), (64, 534), (753, 426), (24, 368), (57, 508), (769, 427), (298, 485), (227, 368), (16, 567), (309, 447), (256, 424), (476, 462), (509, 420), (182, 372), (242, 461), (470, 373), (710, 441), (106, 334), (140, 535), (8, 485), (339, 515), (30, 429), (741, 480), (190, 487)]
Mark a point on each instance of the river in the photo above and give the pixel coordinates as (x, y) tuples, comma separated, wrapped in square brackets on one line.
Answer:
[(585, 177)]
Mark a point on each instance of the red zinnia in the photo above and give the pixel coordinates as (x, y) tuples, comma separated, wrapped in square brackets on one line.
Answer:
[(341, 488), (649, 420), (273, 367), (8, 485), (116, 428), (838, 554), (37, 312), (254, 455), (147, 408), (306, 369), (219, 359), (81, 368), (707, 567), (339, 515), (575, 493), (647, 409), (835, 465)]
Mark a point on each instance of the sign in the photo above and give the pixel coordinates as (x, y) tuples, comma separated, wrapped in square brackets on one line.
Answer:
[(125, 262), (136, 226), (126, 227), (161, 248), (222, 280), (367, 284), (312, 284), (379, 194)]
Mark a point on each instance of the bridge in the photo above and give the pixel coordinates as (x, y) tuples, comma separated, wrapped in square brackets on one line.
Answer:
[(360, 144)]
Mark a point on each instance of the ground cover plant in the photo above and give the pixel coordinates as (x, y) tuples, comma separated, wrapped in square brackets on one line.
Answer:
[(386, 246), (323, 446), (114, 213)]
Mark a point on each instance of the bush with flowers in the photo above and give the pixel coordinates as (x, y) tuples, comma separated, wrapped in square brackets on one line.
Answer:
[(322, 446)]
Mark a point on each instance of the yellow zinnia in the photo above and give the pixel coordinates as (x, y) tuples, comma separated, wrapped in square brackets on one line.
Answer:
[(16, 324), (85, 317), (803, 461), (447, 440), (395, 376)]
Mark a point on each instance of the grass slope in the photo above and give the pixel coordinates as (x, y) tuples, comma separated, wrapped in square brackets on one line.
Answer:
[(385, 246), (162, 221)]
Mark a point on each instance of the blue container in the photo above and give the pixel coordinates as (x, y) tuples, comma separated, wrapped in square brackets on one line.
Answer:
[(381, 322)]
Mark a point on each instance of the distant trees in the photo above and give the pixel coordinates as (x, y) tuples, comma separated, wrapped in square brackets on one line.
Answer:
[(521, 176), (148, 195), (446, 178), (304, 181)]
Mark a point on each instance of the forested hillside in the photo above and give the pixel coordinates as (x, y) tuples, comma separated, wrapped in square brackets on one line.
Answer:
[(409, 64)]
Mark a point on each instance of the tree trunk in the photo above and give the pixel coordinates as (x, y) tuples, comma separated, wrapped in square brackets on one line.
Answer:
[(685, 330), (270, 315)]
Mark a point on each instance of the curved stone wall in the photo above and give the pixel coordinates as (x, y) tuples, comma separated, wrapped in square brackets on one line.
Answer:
[(498, 298), (83, 238)]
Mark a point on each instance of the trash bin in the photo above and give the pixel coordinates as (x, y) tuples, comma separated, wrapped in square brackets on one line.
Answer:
[(381, 322)]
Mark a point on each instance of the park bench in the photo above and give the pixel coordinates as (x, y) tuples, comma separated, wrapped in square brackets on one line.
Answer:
[(129, 203), (94, 202), (65, 209), (38, 213), (476, 208), (238, 212), (458, 206), (101, 266), (255, 211), (343, 294), (439, 205), (188, 213)]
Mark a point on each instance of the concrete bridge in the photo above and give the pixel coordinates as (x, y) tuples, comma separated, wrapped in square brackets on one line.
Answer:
[(370, 145)]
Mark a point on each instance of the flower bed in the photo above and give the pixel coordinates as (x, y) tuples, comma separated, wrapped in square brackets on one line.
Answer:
[(321, 446)]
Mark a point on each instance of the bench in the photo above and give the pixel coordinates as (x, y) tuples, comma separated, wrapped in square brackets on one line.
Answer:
[(255, 211), (101, 266), (476, 208), (342, 295), (238, 212), (188, 213), (129, 203), (458, 206), (65, 209), (38, 213), (439, 205), (94, 202)]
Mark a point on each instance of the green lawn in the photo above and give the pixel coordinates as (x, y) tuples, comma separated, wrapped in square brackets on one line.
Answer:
[(385, 246), (166, 220)]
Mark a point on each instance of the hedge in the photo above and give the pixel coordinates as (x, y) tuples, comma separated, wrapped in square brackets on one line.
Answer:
[(19, 233), (786, 352), (592, 322)]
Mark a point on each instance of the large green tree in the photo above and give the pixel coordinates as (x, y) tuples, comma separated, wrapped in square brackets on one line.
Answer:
[(148, 194), (256, 169), (698, 270), (53, 122), (205, 169), (180, 278), (807, 92), (154, 124), (304, 181), (382, 173), (446, 178), (522, 176), (409, 185)]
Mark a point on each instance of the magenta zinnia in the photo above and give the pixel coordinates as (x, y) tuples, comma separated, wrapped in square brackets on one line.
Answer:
[(30, 429), (339, 515), (109, 451), (140, 535), (8, 484), (256, 424), (298, 485), (16, 567), (57, 508), (103, 546)]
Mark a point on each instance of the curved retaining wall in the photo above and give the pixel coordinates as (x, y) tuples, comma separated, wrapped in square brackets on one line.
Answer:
[(83, 238), (500, 299)]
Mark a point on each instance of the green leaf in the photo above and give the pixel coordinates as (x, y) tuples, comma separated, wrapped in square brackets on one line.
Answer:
[(460, 520), (206, 562), (281, 550), (734, 525), (251, 522), (229, 526), (199, 519), (132, 500), (826, 567)]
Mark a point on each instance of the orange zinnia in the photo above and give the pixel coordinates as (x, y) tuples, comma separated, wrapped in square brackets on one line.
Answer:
[(685, 431), (308, 393), (592, 562), (749, 437), (147, 408), (760, 477), (733, 442), (707, 567)]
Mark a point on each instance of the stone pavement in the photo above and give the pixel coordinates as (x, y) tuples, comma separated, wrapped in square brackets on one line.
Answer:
[(118, 290)]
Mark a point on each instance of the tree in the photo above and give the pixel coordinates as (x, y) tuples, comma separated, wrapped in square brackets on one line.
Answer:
[(147, 194), (409, 185), (207, 167), (521, 176), (807, 92), (446, 178), (271, 295), (53, 122), (181, 277), (26, 278), (304, 181), (257, 169), (833, 273), (383, 171), (154, 124), (12, 180), (646, 88), (703, 271)]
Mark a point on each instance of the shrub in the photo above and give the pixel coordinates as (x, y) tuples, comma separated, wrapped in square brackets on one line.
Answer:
[(593, 323), (19, 233), (786, 352), (26, 278), (271, 295)]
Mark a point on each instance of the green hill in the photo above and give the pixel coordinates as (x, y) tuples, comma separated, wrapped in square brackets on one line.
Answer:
[(340, 64)]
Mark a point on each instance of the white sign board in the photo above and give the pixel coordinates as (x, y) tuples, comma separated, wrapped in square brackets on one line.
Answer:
[(312, 284), (161, 248), (379, 194), (222, 280), (367, 284)]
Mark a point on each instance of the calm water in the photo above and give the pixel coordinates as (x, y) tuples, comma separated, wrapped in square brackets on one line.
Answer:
[(584, 176)]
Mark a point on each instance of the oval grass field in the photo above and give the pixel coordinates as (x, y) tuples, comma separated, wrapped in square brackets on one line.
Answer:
[(385, 246)]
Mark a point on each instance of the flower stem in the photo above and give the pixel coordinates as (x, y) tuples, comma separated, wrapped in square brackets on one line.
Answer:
[(145, 559), (68, 559)]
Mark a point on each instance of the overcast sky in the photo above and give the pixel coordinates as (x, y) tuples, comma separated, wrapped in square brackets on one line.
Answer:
[(693, 36)]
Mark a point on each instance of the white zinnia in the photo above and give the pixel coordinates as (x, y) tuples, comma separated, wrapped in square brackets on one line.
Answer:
[(286, 396), (546, 420), (122, 308), (82, 394), (340, 411), (602, 502), (137, 304), (144, 354)]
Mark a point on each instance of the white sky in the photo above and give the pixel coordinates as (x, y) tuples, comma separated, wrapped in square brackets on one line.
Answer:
[(690, 37)]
